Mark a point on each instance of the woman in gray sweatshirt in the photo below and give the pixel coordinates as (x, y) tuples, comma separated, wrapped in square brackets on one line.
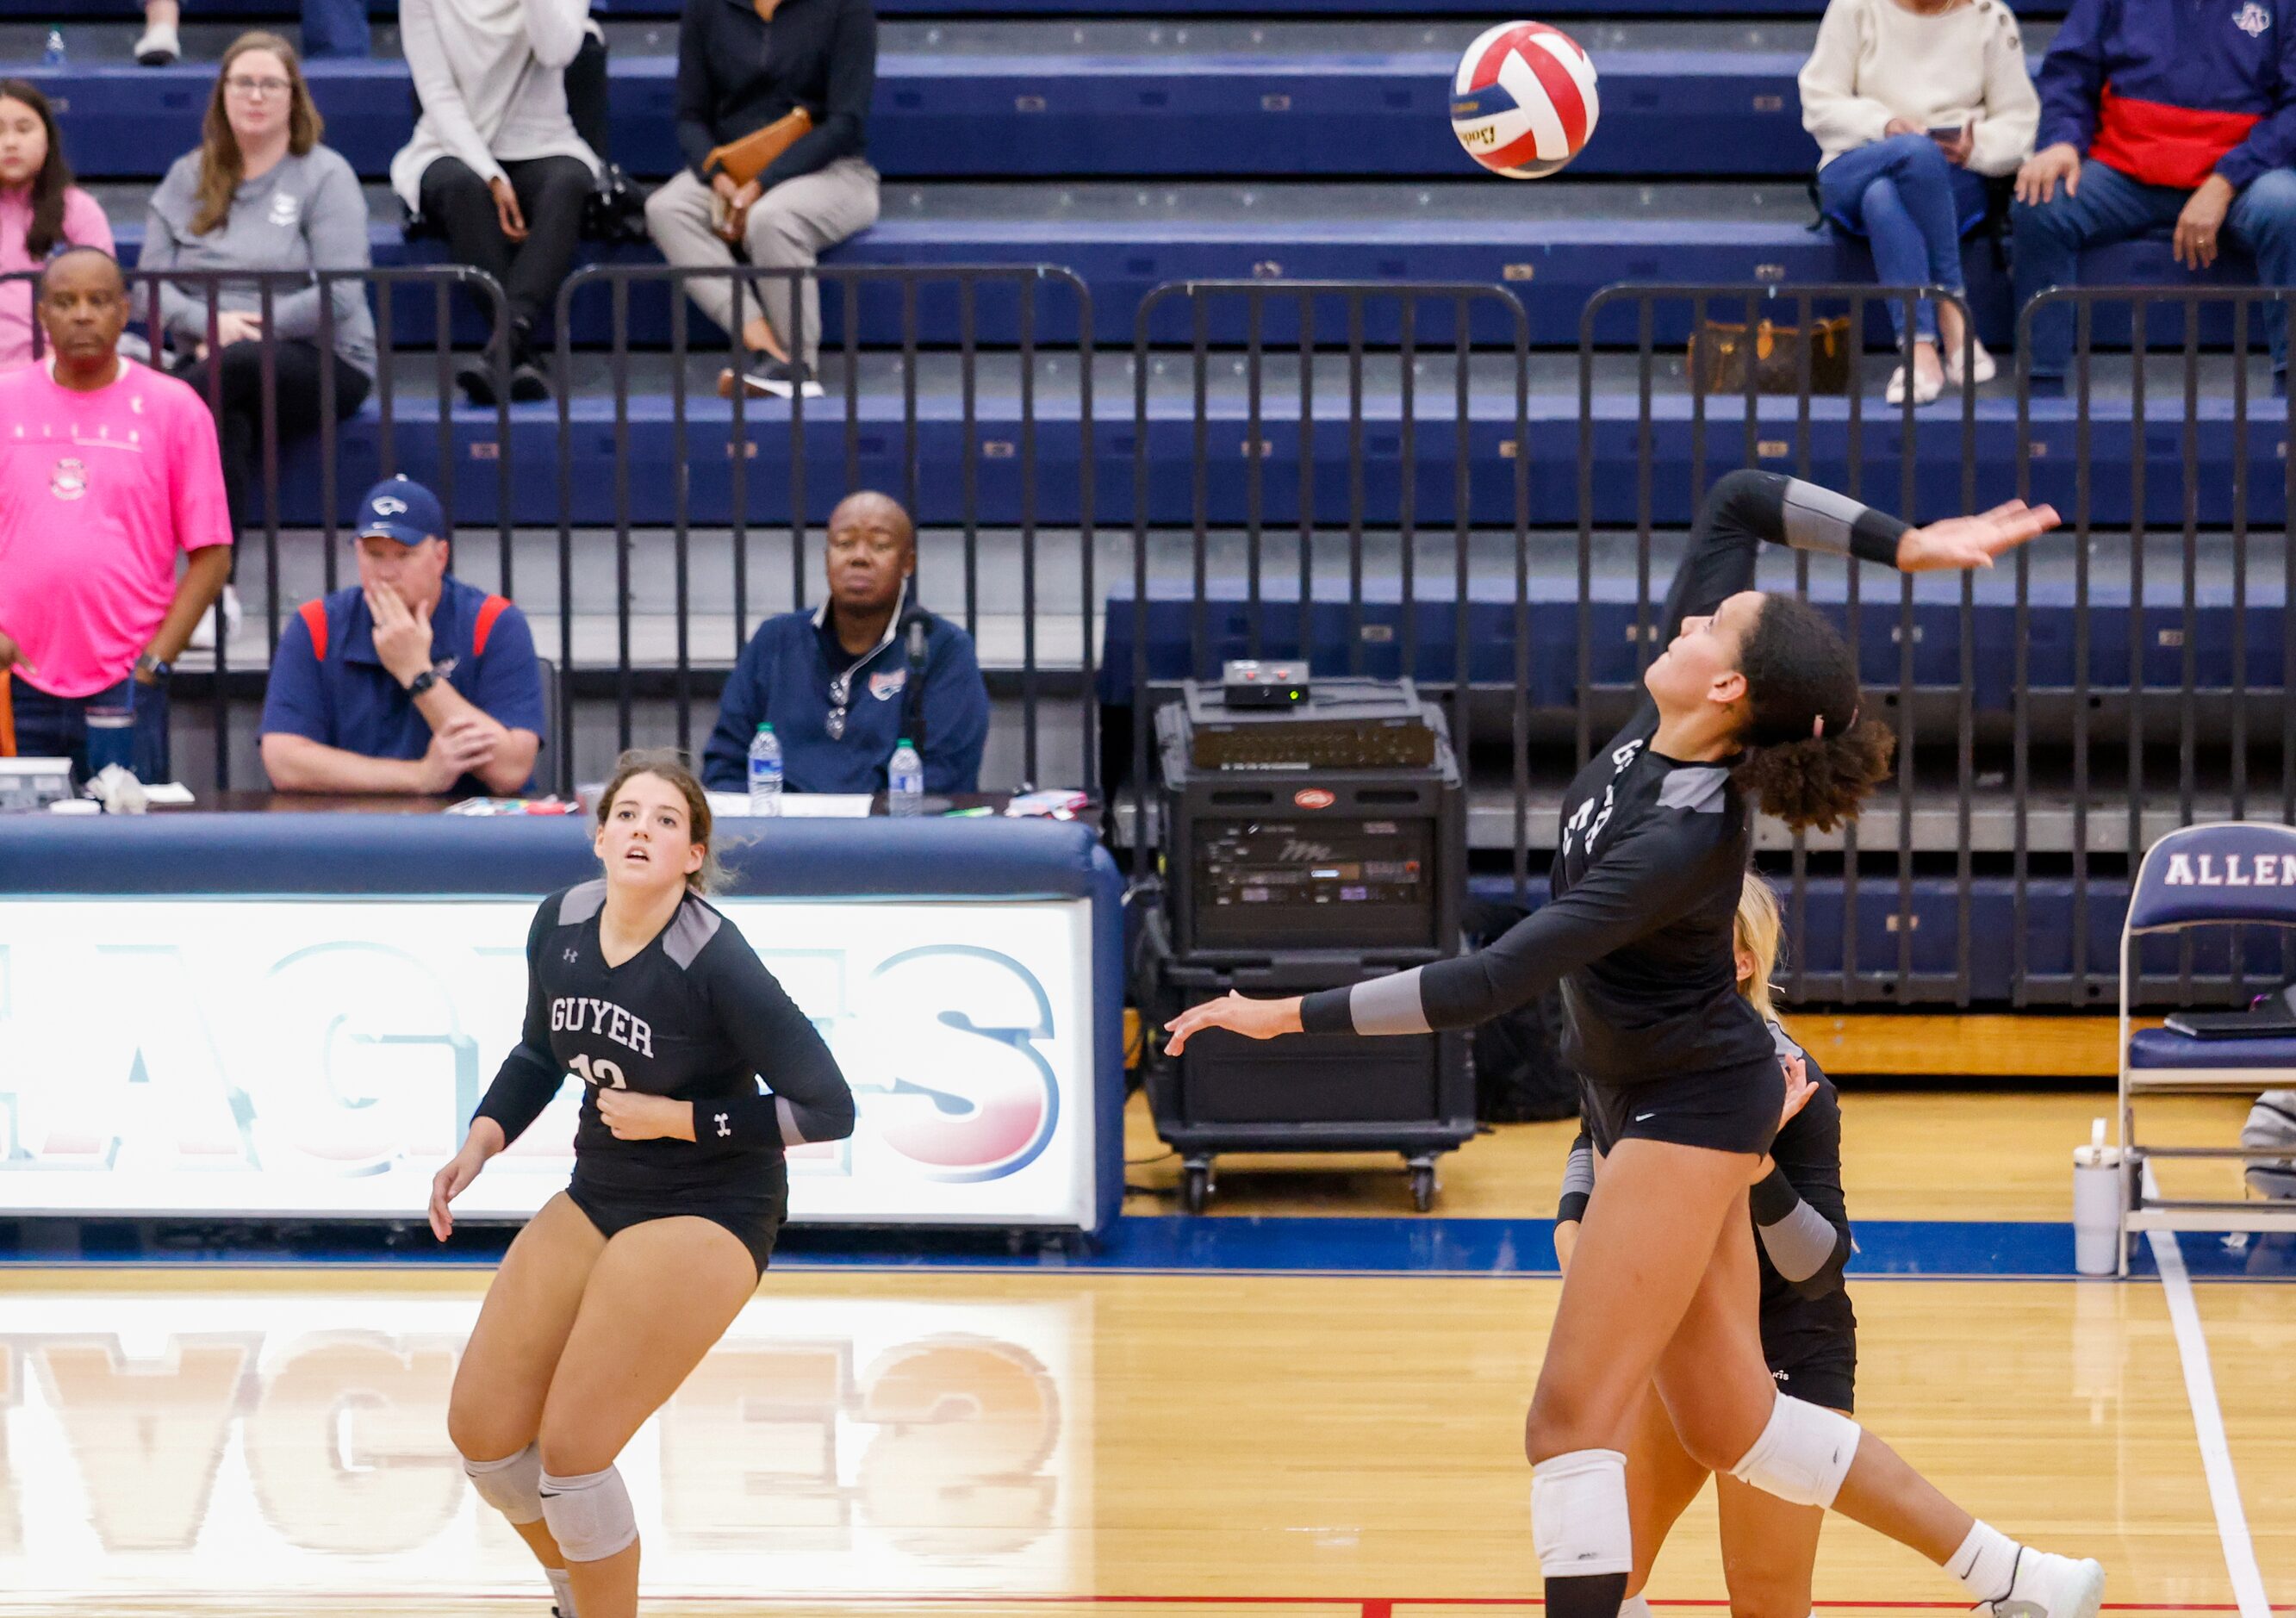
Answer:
[(262, 193)]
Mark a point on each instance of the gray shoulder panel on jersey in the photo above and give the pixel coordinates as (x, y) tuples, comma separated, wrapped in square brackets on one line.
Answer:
[(1388, 1005), (582, 901), (1818, 518), (1781, 1041), (1698, 788), (689, 931)]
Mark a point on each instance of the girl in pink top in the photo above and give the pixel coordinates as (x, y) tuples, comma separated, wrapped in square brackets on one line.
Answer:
[(40, 210)]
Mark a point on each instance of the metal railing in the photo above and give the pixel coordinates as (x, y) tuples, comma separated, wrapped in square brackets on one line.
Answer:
[(875, 418), (1308, 489), (1322, 347)]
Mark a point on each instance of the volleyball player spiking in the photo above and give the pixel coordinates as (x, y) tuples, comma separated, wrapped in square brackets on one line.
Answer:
[(1810, 1332), (1755, 694), (618, 1287)]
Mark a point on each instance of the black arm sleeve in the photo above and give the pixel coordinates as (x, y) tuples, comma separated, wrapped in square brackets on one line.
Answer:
[(697, 97), (1634, 889), (843, 129), (810, 1099), (530, 1075), (1800, 1202), (1578, 1180), (1746, 509)]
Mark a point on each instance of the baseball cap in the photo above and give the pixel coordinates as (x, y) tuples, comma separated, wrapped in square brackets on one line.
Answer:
[(399, 508)]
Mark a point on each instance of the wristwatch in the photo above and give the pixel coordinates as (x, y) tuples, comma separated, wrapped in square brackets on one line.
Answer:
[(421, 682), (145, 663)]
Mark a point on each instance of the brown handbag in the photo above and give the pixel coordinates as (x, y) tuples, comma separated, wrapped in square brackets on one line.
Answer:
[(745, 159), (1720, 353)]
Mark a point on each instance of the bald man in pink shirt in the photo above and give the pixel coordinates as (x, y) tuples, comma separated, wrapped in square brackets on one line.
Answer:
[(108, 470)]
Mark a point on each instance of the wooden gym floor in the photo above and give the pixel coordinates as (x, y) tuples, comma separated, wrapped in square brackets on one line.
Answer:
[(1057, 1443)]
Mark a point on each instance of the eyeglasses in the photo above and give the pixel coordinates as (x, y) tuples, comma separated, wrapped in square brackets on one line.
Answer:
[(239, 84)]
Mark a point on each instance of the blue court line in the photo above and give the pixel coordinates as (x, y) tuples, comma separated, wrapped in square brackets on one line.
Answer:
[(1888, 1249)]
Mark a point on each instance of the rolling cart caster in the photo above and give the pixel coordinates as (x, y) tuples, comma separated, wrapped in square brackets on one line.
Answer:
[(1423, 1184), (1196, 1185)]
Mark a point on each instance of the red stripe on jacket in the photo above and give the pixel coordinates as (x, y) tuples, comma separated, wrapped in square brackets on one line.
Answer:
[(2158, 144), (315, 620), (489, 611)]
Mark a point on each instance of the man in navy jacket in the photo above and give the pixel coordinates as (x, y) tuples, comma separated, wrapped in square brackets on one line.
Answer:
[(835, 682), (2157, 114)]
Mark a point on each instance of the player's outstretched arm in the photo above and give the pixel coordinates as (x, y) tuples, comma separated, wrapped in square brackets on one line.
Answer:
[(1253, 1018), (1961, 543)]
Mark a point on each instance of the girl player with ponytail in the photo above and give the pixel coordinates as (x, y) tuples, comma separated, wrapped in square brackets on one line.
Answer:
[(1755, 697), (1809, 1333), (624, 1280)]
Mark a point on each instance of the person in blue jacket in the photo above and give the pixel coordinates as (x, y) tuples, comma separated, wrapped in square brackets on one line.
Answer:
[(843, 684), (2158, 115)]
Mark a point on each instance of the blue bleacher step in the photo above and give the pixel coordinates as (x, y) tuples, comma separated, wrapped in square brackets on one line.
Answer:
[(1034, 98), (1552, 247), (954, 444)]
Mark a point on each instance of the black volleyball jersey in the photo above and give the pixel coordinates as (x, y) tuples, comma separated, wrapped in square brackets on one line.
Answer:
[(694, 1016), (1653, 852)]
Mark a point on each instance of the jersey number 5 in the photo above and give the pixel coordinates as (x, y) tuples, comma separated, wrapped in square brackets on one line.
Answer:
[(600, 1071)]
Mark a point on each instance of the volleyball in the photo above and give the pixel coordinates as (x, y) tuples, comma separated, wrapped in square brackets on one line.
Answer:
[(1523, 102)]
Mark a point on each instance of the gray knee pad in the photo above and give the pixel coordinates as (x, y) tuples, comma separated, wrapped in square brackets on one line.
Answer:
[(512, 1485), (589, 1514), (1802, 1454)]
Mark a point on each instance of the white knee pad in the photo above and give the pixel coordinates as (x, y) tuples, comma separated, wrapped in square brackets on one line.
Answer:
[(1578, 1522), (512, 1485), (1802, 1456), (589, 1514)]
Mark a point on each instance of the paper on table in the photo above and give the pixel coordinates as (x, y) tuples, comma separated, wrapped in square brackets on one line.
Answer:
[(169, 793), (796, 806)]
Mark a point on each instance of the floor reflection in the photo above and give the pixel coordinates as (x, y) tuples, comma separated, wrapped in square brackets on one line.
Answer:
[(259, 1443)]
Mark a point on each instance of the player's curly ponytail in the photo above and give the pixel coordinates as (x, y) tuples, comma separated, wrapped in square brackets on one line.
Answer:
[(672, 765), (1812, 760)]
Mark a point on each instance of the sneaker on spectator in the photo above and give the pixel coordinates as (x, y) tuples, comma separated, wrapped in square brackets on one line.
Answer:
[(1982, 370), (475, 376), (529, 382), (767, 377), (160, 47), (1925, 388)]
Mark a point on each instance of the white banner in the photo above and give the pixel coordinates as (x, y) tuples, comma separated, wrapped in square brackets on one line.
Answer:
[(318, 1057), (260, 1446)]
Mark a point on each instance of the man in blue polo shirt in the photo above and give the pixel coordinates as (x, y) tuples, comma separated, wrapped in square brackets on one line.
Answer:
[(843, 684), (409, 681)]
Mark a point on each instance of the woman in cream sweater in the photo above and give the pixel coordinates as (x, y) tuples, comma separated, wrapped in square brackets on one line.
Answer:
[(1913, 102)]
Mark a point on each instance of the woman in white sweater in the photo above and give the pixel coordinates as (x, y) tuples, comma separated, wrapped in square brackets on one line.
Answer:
[(1913, 102), (495, 162)]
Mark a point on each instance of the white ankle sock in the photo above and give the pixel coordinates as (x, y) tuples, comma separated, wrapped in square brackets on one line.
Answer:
[(561, 1587), (1986, 1564), (1633, 1607)]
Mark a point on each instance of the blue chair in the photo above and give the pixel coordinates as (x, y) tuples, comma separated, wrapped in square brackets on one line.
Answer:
[(2226, 875)]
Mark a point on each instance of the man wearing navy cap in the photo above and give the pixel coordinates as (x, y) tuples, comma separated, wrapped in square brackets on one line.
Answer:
[(409, 681)]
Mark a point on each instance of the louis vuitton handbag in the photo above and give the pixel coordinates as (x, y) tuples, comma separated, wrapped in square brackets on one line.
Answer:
[(1722, 351)]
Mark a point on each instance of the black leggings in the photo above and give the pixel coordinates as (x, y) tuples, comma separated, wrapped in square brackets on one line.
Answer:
[(552, 193), (239, 410)]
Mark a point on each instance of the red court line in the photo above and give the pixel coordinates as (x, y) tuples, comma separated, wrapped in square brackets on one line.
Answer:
[(1369, 1607)]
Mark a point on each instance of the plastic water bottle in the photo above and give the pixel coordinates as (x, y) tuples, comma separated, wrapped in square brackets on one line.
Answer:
[(765, 772), (904, 781), (53, 56)]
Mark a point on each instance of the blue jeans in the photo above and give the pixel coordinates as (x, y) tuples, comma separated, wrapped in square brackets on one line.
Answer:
[(2113, 208), (334, 28), (1904, 199), (56, 727)]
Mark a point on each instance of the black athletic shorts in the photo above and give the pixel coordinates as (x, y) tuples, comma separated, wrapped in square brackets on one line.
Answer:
[(1817, 1370), (1728, 1109), (754, 1217)]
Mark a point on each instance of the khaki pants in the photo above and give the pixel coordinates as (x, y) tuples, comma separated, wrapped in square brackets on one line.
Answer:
[(789, 228)]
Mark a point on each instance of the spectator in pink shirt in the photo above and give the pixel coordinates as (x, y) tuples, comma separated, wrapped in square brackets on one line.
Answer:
[(108, 471), (40, 210)]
